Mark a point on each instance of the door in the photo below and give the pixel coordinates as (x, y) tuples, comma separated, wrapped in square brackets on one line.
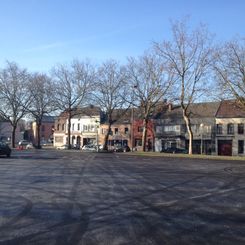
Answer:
[(225, 147)]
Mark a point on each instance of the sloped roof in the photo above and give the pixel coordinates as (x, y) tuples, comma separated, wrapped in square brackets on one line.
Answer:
[(49, 119), (119, 116), (201, 110), (165, 112), (85, 111), (196, 110), (230, 109)]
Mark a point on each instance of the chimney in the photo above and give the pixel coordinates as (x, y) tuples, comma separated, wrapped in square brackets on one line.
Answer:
[(170, 106)]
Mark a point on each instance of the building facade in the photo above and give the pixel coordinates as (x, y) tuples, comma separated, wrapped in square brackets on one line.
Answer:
[(218, 128), (230, 128), (6, 131), (46, 130), (171, 129), (121, 130), (84, 127)]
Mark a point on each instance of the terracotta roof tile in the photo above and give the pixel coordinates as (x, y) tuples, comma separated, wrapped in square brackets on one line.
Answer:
[(230, 109)]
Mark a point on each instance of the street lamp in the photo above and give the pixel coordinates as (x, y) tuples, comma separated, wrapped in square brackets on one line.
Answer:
[(201, 129), (97, 135)]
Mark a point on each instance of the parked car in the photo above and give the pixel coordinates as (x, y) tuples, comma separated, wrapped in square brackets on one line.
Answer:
[(23, 144), (75, 147), (29, 146), (123, 148), (62, 147), (5, 149), (175, 150), (89, 148)]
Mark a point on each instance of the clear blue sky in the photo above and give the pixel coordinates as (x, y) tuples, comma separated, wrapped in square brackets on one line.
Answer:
[(38, 34)]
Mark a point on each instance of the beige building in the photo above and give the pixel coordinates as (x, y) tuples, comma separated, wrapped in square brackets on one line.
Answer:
[(120, 134), (84, 127), (230, 129)]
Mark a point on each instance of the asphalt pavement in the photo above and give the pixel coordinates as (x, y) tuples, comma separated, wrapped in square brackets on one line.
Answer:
[(71, 197)]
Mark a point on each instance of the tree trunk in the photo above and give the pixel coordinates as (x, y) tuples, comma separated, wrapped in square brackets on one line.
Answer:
[(69, 130), (38, 135), (189, 130), (13, 135), (144, 136), (105, 145)]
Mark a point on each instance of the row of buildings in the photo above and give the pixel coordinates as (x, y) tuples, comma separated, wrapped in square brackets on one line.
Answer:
[(218, 128), (27, 130)]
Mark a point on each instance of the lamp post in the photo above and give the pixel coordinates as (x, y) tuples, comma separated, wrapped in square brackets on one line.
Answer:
[(97, 135), (201, 129), (132, 129)]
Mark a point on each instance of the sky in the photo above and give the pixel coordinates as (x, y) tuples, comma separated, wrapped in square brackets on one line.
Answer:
[(39, 34)]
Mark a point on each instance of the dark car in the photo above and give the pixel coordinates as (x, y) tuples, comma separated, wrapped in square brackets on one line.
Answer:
[(175, 150), (4, 149), (124, 148)]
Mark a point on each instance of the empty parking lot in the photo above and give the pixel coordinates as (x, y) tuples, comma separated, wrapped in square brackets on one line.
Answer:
[(69, 197)]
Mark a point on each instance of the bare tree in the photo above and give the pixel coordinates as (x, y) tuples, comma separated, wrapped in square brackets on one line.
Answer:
[(111, 92), (230, 69), (14, 95), (151, 84), (42, 100), (73, 84), (188, 55)]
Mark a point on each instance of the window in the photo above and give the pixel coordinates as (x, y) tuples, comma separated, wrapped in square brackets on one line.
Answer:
[(116, 130), (73, 126), (195, 128), (172, 128), (240, 146), (92, 128), (159, 129), (240, 128), (58, 127), (219, 128), (208, 129), (140, 129), (125, 130), (63, 127), (230, 128), (78, 127), (138, 142), (85, 128)]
